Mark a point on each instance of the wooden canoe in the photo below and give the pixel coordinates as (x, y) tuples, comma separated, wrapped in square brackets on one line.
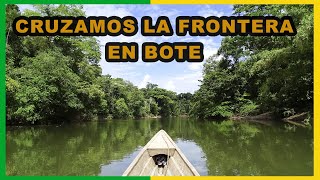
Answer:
[(161, 145)]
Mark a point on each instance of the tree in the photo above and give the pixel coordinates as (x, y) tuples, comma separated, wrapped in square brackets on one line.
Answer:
[(121, 109), (51, 77), (252, 73)]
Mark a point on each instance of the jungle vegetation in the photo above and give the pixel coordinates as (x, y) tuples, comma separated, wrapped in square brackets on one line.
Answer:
[(50, 79), (251, 74), (55, 79)]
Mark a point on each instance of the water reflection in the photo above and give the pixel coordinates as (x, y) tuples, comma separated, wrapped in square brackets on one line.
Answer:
[(117, 167), (194, 154), (107, 148)]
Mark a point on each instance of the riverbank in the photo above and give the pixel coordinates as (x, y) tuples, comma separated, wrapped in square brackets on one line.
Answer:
[(303, 119)]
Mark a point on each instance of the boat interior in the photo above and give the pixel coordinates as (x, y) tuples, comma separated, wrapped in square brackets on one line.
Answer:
[(161, 157)]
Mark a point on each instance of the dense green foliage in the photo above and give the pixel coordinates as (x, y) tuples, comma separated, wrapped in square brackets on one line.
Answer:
[(53, 79), (259, 74)]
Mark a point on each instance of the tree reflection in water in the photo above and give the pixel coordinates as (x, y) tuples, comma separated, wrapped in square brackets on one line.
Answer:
[(107, 148)]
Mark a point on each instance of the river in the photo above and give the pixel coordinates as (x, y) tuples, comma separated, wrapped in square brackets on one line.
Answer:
[(108, 147)]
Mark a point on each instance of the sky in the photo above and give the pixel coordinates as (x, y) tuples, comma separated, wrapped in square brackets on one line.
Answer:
[(178, 77)]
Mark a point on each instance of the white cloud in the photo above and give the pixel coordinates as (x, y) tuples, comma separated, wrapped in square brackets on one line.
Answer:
[(154, 11), (23, 7), (218, 58), (190, 77), (207, 11), (146, 79), (209, 51), (107, 10), (187, 82), (170, 86), (195, 66), (210, 45)]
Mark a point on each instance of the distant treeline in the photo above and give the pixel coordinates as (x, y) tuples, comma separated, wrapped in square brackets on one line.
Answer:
[(56, 79)]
